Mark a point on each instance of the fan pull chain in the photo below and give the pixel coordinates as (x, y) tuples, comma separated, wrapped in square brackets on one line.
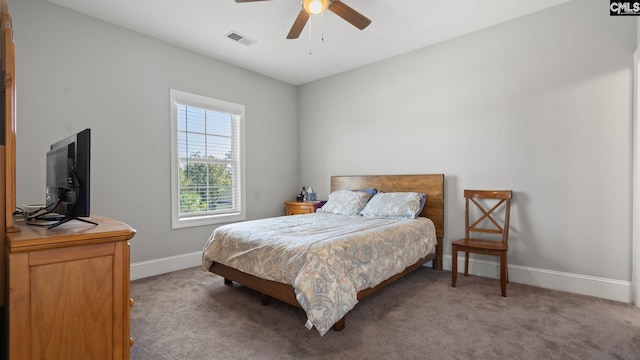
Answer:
[(322, 25), (310, 52)]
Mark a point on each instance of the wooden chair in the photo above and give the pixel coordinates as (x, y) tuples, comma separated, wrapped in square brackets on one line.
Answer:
[(486, 223)]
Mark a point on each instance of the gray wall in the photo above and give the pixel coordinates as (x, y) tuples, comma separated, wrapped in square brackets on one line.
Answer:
[(541, 105), (75, 72)]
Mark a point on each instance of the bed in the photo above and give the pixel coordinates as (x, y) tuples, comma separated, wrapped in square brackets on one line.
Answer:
[(308, 289)]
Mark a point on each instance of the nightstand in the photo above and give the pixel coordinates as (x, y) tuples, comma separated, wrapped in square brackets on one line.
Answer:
[(302, 207)]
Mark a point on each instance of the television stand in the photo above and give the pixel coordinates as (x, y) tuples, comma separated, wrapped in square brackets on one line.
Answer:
[(69, 218)]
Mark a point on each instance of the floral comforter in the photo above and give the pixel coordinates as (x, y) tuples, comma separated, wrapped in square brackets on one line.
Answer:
[(326, 258)]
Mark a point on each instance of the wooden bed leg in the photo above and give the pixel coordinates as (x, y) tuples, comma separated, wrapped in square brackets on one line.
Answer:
[(437, 262), (340, 325), (266, 299), (227, 281)]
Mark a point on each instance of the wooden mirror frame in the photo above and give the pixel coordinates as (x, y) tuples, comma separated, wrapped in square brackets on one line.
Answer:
[(9, 138), (8, 72)]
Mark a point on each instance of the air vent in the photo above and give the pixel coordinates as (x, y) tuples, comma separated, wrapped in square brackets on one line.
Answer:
[(235, 36)]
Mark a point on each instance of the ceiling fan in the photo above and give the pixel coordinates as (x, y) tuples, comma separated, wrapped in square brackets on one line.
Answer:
[(310, 7)]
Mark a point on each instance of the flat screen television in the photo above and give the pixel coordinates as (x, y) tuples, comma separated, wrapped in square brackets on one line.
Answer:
[(68, 177)]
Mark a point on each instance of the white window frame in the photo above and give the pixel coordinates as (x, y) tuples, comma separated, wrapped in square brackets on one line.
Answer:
[(183, 98)]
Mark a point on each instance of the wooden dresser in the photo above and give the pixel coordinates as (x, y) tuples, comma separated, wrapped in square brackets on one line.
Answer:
[(68, 292), (301, 207)]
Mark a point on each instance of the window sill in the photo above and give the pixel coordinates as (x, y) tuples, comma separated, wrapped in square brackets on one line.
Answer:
[(207, 220)]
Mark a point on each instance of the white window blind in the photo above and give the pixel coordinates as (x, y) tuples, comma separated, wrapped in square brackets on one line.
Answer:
[(207, 160)]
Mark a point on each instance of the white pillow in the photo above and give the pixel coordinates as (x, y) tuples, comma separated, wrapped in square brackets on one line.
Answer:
[(405, 205), (345, 202)]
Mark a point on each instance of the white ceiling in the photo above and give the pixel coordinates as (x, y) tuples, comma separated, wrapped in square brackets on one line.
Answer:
[(397, 27)]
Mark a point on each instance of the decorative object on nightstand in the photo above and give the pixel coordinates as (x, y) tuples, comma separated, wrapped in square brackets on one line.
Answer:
[(302, 207), (302, 196), (488, 220), (311, 196)]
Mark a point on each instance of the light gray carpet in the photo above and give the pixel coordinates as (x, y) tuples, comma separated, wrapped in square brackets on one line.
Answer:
[(191, 314)]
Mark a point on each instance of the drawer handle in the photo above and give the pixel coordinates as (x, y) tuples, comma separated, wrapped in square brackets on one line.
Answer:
[(131, 341), (131, 302)]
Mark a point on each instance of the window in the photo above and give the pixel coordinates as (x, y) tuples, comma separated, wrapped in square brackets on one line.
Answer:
[(207, 167)]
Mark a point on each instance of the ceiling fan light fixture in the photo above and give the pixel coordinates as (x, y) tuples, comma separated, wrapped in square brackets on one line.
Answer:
[(315, 6)]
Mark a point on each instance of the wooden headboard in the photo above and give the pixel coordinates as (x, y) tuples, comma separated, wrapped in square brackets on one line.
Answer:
[(431, 185)]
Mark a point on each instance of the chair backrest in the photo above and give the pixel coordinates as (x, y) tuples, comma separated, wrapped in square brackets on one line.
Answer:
[(489, 220)]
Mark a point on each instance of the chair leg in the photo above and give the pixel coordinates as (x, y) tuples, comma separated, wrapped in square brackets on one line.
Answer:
[(504, 274), (466, 263), (454, 265)]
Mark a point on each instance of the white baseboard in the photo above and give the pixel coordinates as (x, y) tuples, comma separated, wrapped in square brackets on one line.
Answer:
[(611, 289), (576, 283), (154, 267)]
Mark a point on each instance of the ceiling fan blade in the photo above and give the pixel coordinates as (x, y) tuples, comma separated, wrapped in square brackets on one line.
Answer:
[(298, 25), (351, 16)]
